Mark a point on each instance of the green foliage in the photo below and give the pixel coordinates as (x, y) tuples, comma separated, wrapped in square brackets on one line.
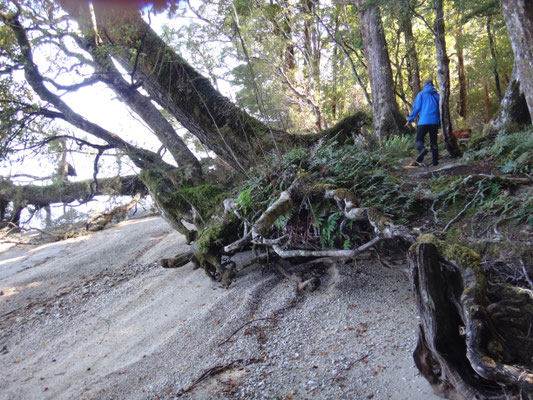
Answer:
[(365, 172), (296, 155), (244, 200), (489, 197), (398, 145), (513, 153), (329, 229), (281, 222)]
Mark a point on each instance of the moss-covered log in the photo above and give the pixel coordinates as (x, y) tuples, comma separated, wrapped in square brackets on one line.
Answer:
[(475, 338)]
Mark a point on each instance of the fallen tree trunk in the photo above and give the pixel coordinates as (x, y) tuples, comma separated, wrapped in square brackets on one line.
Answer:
[(21, 196), (475, 337), (67, 192)]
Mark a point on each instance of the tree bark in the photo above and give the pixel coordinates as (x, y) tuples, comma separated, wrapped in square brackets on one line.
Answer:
[(67, 192), (519, 20), (513, 111), (142, 158), (461, 107), (494, 61), (443, 72), (236, 137), (387, 117), (144, 107), (413, 69), (473, 337)]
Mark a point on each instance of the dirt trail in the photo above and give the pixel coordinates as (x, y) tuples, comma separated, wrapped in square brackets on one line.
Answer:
[(97, 318)]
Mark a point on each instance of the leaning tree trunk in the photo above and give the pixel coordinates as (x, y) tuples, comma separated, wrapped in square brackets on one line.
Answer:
[(475, 336), (443, 72), (236, 137), (519, 20), (387, 117), (68, 192), (144, 107)]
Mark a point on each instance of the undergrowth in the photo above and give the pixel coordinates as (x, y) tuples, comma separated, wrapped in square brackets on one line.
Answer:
[(364, 172), (513, 153), (368, 174), (486, 197)]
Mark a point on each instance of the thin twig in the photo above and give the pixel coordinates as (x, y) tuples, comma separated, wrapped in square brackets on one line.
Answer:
[(356, 361), (526, 276), (216, 370), (462, 211), (32, 228), (242, 326)]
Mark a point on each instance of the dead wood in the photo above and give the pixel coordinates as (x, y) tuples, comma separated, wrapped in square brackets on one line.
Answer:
[(101, 220), (475, 338), (217, 369), (178, 261), (243, 325)]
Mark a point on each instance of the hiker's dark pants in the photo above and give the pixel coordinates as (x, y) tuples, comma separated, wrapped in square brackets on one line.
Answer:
[(421, 131)]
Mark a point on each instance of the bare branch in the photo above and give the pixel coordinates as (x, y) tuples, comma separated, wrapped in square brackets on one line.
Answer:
[(326, 253), (76, 86)]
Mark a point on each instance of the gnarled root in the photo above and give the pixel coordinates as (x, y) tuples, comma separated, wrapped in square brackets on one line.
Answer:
[(472, 341)]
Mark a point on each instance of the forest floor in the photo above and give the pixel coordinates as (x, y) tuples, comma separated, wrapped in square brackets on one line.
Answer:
[(96, 317)]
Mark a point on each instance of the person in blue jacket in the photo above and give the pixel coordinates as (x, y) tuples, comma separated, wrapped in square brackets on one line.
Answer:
[(427, 105)]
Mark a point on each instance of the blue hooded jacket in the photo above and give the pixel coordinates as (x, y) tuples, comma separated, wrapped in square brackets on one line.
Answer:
[(427, 104)]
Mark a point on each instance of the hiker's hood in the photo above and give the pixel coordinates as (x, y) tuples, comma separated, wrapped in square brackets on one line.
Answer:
[(430, 89)]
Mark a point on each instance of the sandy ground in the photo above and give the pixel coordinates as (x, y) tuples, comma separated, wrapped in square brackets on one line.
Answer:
[(97, 318)]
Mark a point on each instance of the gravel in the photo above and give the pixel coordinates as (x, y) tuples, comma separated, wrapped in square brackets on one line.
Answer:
[(93, 323)]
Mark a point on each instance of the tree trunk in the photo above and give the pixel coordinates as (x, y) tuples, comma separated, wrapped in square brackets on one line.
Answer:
[(513, 111), (413, 69), (144, 107), (486, 101), (237, 138), (473, 337), (494, 61), (68, 192), (443, 72), (387, 117), (461, 106), (312, 54), (519, 20)]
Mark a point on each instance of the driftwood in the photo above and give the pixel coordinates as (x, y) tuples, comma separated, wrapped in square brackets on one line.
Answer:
[(99, 221), (475, 337), (178, 261)]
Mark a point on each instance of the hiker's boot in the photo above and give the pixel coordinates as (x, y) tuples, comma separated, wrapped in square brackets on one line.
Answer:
[(421, 155), (435, 155)]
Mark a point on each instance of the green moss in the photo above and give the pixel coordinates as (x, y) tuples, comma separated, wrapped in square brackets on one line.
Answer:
[(217, 235), (320, 188), (206, 199), (463, 256), (377, 218), (348, 125)]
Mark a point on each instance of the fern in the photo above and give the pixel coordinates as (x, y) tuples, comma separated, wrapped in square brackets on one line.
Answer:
[(327, 237)]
